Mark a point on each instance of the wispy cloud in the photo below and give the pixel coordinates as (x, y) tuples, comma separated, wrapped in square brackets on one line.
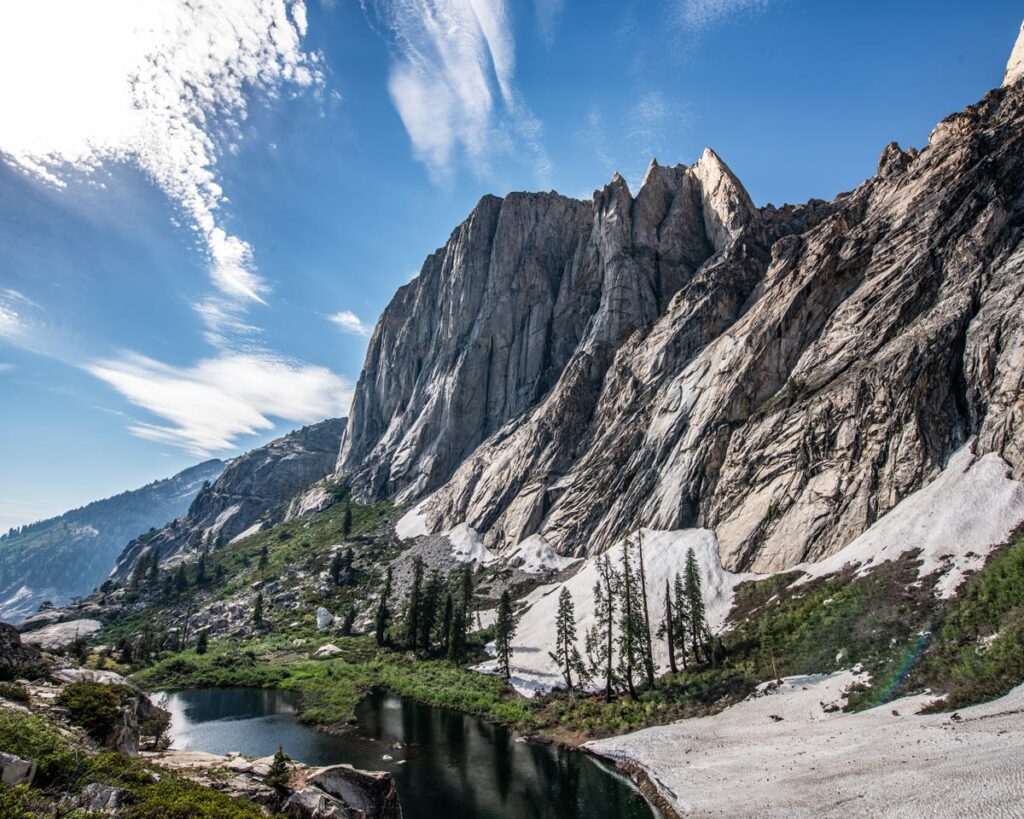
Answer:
[(654, 120), (452, 80), (5, 368), (151, 83), (206, 407), (349, 322), (697, 14)]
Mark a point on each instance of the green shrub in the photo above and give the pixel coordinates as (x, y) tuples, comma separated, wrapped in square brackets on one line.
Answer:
[(94, 706), (14, 692)]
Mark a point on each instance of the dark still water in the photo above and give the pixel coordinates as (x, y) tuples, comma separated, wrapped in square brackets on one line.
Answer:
[(446, 764)]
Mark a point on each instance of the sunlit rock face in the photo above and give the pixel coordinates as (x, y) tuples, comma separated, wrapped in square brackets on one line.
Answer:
[(680, 358)]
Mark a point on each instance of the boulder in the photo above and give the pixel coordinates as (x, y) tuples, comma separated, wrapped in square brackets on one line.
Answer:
[(99, 798), (14, 654), (373, 793), (16, 771), (324, 619), (329, 650), (313, 803)]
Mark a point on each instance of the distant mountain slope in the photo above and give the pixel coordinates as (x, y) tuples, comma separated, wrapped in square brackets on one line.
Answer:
[(253, 492), (70, 555)]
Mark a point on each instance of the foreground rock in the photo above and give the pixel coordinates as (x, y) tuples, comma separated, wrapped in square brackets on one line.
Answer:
[(789, 752), (15, 656), (334, 792)]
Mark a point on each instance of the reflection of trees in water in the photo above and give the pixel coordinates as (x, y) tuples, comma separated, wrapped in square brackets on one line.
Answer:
[(567, 789), (503, 763)]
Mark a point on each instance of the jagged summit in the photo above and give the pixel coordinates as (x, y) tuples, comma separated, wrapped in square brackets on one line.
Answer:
[(1015, 66)]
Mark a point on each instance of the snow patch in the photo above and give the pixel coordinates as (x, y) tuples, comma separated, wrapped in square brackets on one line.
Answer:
[(252, 530), (413, 523), (536, 556), (972, 507), (468, 546), (664, 557)]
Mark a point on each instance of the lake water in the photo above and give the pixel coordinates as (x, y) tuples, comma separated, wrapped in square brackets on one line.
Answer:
[(445, 764)]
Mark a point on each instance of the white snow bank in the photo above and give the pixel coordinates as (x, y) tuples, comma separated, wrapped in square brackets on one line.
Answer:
[(467, 545), (972, 507), (413, 523), (664, 556), (888, 761), (536, 556), (252, 530)]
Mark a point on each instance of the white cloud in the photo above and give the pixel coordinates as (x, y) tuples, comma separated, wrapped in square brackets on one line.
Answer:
[(207, 406), (654, 123), (151, 83), (453, 82), (698, 14), (349, 322), (6, 368)]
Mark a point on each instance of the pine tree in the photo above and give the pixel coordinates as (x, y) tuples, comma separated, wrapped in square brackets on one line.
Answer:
[(415, 604), (264, 559), (630, 622), (383, 612), (180, 579), (139, 571), (681, 619), (566, 655), (600, 639), (218, 575), (446, 621), (666, 629), (201, 569), (432, 592), (645, 642), (337, 567), (201, 643), (153, 573), (346, 521), (504, 631), (278, 774), (699, 631), (257, 611), (349, 622)]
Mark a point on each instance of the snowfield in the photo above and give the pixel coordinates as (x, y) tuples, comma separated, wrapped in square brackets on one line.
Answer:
[(664, 556), (972, 507), (889, 761)]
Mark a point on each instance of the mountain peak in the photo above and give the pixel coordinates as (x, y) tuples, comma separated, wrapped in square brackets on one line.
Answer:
[(1015, 66)]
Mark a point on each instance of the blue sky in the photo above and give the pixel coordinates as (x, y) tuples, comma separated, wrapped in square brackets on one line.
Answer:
[(203, 210)]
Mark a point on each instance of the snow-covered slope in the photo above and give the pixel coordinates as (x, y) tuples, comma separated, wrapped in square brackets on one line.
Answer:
[(664, 557), (782, 754)]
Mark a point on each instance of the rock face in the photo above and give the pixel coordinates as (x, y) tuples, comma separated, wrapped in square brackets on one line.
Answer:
[(681, 358), (253, 491), (1015, 66), (368, 794), (14, 655)]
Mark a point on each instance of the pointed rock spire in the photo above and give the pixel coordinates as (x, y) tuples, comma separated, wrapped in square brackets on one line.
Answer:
[(727, 205), (1015, 67)]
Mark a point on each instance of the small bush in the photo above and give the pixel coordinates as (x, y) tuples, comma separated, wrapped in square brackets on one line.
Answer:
[(14, 692), (94, 706)]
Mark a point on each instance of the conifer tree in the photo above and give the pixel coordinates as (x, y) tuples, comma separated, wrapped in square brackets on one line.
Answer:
[(218, 575), (666, 629), (264, 559), (383, 617), (446, 620), (346, 521), (681, 619), (153, 574), (566, 655), (645, 641), (202, 643), (348, 623), (180, 579), (278, 774), (630, 622), (415, 605), (699, 632), (201, 569), (257, 611), (432, 592), (336, 568), (600, 639), (504, 631)]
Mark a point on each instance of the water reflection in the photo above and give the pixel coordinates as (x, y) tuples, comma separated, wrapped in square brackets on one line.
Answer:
[(446, 764)]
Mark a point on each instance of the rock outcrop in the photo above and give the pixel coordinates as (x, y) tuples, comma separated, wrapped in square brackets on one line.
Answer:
[(252, 493), (1015, 66), (15, 656), (681, 358)]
